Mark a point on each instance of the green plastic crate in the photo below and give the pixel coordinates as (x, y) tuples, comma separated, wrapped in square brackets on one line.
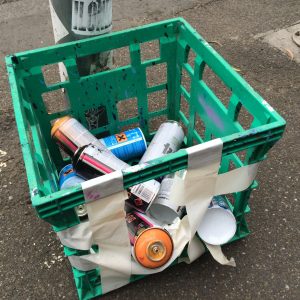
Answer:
[(184, 86)]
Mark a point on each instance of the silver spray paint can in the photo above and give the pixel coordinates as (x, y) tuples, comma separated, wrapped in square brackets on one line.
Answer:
[(168, 139), (162, 208)]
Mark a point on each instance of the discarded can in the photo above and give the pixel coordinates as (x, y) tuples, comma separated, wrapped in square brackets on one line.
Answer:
[(91, 161), (218, 225), (152, 245), (126, 145), (71, 135), (69, 178), (81, 210), (162, 207), (141, 196), (167, 139)]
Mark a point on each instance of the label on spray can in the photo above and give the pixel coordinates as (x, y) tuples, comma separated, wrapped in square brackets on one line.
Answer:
[(165, 188), (68, 177), (126, 145), (92, 161), (152, 245), (136, 224), (142, 195), (167, 139), (71, 135), (218, 201)]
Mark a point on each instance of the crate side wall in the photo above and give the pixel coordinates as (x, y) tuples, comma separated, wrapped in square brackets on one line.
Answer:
[(36, 162)]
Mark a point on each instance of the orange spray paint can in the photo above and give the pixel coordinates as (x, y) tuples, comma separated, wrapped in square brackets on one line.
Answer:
[(71, 135), (152, 245)]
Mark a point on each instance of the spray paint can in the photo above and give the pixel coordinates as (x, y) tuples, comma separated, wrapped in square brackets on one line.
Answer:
[(71, 136), (91, 161), (141, 196), (218, 225), (69, 178), (162, 207), (167, 139), (126, 145), (152, 245)]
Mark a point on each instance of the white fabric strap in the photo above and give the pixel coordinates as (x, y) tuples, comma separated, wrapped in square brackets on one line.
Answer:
[(105, 203), (204, 162), (236, 180), (199, 184), (81, 263), (80, 236), (103, 186), (118, 261), (105, 198), (77, 237), (195, 250), (218, 255)]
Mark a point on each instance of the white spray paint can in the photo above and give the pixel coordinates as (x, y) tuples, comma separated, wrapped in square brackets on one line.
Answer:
[(162, 208), (168, 139)]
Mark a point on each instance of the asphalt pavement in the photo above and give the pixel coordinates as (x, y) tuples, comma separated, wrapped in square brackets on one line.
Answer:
[(32, 265)]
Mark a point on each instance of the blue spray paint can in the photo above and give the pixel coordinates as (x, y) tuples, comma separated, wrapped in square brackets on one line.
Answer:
[(69, 178), (126, 145)]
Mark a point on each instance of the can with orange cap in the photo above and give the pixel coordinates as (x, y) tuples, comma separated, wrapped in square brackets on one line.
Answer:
[(152, 245), (71, 135)]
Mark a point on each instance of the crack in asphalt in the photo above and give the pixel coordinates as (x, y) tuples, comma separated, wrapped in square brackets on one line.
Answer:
[(7, 1), (198, 5)]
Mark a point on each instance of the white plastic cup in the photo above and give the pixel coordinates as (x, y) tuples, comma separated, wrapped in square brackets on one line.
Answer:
[(218, 225)]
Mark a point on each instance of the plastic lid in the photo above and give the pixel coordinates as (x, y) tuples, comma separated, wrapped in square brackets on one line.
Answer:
[(218, 226), (153, 248)]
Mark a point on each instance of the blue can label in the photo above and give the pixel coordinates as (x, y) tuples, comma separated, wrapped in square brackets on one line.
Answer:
[(68, 177), (126, 145), (218, 201)]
